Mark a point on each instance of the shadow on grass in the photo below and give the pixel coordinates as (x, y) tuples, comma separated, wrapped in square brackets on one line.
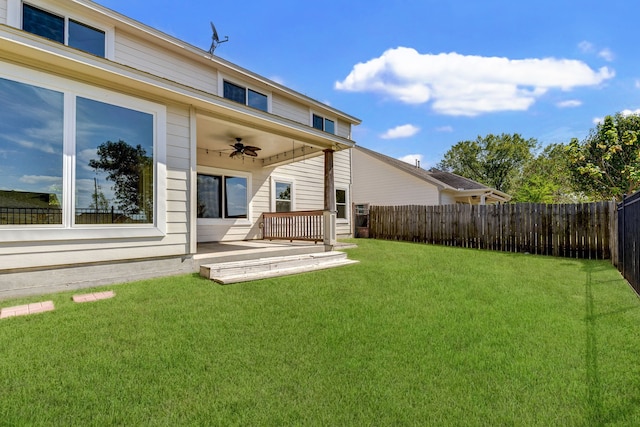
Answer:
[(595, 408)]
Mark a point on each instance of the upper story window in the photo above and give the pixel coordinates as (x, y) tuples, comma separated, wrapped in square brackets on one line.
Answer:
[(324, 124), (63, 30), (245, 96)]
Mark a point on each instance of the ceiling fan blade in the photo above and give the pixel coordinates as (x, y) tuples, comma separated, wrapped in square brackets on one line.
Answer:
[(250, 152), (235, 153), (252, 148)]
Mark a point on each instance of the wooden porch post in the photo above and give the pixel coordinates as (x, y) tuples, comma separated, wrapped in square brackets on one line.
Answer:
[(329, 201)]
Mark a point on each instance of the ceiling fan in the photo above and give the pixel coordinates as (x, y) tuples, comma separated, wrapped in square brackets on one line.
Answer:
[(241, 149)]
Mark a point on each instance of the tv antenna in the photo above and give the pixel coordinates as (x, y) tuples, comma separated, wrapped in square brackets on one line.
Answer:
[(215, 40)]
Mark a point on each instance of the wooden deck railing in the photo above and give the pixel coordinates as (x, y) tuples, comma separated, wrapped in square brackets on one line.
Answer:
[(303, 225)]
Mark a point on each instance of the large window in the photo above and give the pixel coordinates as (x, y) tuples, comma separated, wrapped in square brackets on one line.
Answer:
[(322, 123), (69, 161), (31, 154), (63, 30), (245, 96), (114, 164), (222, 196)]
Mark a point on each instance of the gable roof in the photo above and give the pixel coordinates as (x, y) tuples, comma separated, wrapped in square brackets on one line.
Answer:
[(443, 180)]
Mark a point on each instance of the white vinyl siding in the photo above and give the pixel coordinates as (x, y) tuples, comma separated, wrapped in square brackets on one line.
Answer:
[(343, 129), (145, 56), (378, 183), (3, 11), (290, 109)]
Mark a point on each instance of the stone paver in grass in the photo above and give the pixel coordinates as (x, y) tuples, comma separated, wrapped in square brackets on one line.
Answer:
[(23, 310), (95, 296)]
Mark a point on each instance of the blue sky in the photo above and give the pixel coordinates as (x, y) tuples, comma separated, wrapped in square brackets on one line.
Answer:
[(424, 75)]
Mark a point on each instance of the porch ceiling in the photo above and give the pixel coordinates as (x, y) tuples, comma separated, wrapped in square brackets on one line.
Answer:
[(277, 146)]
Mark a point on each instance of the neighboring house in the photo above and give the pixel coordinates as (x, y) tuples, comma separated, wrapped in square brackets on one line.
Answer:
[(114, 119), (384, 181)]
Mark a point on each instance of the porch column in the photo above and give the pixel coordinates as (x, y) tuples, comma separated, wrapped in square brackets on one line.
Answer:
[(329, 201)]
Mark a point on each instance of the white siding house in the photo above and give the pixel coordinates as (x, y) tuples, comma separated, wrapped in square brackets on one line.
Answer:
[(72, 106), (384, 181)]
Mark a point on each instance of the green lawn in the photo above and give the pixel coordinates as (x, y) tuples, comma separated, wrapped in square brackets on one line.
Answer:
[(412, 335)]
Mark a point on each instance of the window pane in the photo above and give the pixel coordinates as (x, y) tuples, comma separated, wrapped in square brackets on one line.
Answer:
[(283, 191), (86, 38), (31, 138), (258, 100), (45, 24), (341, 211), (329, 126), (283, 206), (318, 122), (236, 197), (341, 196), (209, 196), (114, 164), (234, 93)]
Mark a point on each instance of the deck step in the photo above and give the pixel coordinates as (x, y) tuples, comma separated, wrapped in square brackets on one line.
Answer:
[(262, 268)]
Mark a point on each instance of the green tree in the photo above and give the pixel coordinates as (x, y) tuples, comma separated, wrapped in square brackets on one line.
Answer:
[(606, 164), (131, 171), (545, 178), (495, 161)]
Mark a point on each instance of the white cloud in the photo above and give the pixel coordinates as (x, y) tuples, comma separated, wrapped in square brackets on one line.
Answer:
[(586, 47), (404, 131), (637, 83), (597, 120), (630, 112), (606, 54), (411, 158), (444, 129), (570, 103), (467, 85), (40, 179)]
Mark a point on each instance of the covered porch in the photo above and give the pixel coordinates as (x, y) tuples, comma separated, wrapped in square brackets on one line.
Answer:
[(256, 151)]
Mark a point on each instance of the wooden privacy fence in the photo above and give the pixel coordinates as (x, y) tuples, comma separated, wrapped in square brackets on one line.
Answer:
[(586, 230)]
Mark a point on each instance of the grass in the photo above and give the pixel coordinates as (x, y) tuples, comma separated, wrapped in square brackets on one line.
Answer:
[(412, 335)]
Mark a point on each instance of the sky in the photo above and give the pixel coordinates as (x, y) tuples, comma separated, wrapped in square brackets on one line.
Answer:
[(425, 75)]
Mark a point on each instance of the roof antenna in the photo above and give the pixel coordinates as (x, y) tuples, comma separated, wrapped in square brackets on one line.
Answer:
[(215, 40)]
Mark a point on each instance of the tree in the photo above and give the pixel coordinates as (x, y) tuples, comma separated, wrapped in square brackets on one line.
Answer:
[(495, 161), (131, 171), (545, 179), (606, 164)]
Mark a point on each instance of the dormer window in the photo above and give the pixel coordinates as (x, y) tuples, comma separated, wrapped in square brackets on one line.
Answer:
[(245, 96), (63, 30)]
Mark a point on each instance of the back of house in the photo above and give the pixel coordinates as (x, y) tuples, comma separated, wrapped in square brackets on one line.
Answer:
[(121, 143)]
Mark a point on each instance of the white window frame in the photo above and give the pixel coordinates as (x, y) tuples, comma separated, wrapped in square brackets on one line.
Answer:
[(324, 118), (67, 230), (285, 180), (347, 210), (222, 78), (14, 19), (208, 170)]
